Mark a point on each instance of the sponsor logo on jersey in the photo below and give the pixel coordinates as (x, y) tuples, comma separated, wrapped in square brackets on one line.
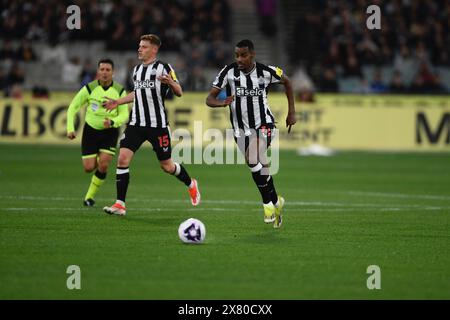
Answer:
[(94, 106), (245, 92), (146, 84)]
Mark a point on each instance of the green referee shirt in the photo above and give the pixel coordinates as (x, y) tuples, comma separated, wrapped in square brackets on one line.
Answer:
[(92, 95)]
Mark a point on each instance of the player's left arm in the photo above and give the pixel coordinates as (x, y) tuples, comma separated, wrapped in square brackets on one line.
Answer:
[(290, 119), (171, 80)]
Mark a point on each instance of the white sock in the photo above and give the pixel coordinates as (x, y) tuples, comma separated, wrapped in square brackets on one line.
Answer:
[(270, 204), (192, 184), (277, 204)]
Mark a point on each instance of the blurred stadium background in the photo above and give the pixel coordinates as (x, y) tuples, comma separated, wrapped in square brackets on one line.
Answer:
[(356, 89), (324, 45), (399, 76)]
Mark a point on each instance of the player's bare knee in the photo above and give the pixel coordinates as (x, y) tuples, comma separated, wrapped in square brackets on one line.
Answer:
[(167, 167), (103, 166), (123, 161), (252, 161), (89, 168)]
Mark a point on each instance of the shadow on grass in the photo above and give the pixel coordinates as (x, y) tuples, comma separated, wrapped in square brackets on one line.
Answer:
[(267, 237), (152, 220)]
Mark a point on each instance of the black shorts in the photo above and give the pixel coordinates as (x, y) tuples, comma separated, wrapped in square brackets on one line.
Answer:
[(133, 137), (95, 141), (264, 133)]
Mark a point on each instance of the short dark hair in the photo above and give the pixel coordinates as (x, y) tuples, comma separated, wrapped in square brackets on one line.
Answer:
[(106, 60), (246, 43)]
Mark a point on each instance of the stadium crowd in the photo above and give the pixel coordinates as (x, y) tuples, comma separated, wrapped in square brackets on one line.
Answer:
[(336, 44), (330, 42), (198, 30)]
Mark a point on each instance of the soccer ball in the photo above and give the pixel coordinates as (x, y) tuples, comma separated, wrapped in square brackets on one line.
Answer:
[(192, 231)]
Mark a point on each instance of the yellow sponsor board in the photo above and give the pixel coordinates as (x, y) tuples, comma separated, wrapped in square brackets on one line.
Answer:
[(342, 122), (31, 120), (347, 122)]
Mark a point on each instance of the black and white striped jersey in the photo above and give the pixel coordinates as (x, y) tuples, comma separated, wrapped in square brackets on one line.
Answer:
[(149, 95), (250, 109)]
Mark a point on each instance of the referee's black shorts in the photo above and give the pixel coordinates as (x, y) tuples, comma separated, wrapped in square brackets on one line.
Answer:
[(95, 141), (134, 136)]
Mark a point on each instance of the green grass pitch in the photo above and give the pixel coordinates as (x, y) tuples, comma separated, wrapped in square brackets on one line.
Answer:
[(342, 214)]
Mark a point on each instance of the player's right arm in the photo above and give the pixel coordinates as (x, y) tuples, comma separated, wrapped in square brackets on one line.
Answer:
[(219, 83), (111, 104), (77, 102), (213, 102), (122, 115)]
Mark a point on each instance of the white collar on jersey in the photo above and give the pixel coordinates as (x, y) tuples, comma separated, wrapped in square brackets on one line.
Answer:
[(145, 65), (254, 66)]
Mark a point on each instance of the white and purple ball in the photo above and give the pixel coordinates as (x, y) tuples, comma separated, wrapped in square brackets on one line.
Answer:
[(192, 231)]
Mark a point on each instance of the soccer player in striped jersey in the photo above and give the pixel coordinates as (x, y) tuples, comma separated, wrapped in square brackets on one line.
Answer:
[(101, 130), (246, 83), (148, 121)]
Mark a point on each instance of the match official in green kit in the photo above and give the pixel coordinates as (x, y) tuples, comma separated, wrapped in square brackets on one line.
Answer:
[(101, 128)]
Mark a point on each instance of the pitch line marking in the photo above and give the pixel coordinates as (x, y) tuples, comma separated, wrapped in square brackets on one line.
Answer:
[(397, 195), (304, 210)]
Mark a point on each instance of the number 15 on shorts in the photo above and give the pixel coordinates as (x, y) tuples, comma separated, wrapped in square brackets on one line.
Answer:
[(163, 140)]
